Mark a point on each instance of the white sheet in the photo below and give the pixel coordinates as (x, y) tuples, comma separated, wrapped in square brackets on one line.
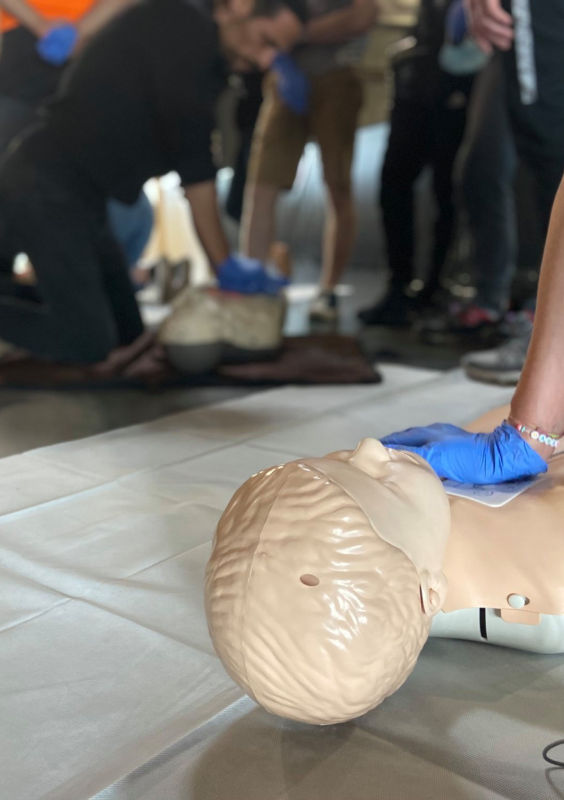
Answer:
[(109, 684)]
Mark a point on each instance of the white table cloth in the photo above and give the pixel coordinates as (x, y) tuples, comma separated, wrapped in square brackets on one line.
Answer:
[(109, 686)]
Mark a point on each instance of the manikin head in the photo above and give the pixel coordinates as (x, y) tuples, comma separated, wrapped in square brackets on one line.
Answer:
[(253, 31), (323, 580)]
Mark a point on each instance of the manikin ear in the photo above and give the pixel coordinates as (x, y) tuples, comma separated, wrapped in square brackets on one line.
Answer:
[(433, 592)]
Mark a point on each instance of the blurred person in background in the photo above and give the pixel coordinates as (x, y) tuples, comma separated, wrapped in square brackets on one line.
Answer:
[(427, 124), (484, 174), (122, 117), (332, 45), (39, 39), (530, 36)]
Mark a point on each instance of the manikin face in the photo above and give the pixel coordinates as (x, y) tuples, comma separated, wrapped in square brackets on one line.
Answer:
[(249, 41), (323, 579), (402, 498)]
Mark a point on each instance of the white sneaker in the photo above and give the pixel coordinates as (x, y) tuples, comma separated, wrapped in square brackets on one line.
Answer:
[(504, 364), (324, 308)]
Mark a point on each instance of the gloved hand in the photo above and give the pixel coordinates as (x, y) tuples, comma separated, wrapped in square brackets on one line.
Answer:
[(57, 45), (248, 276), (293, 86), (480, 458)]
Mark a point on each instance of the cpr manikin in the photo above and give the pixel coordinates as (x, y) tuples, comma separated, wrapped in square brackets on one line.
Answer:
[(208, 327), (326, 575)]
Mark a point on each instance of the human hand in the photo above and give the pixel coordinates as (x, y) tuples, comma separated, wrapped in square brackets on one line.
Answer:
[(57, 44), (293, 86), (490, 25), (248, 276), (482, 458)]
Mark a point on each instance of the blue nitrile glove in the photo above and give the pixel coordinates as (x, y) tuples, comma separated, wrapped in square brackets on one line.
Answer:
[(480, 458), (456, 25), (293, 86), (248, 276), (57, 45)]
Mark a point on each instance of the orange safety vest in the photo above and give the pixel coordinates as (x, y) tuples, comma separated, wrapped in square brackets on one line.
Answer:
[(71, 10)]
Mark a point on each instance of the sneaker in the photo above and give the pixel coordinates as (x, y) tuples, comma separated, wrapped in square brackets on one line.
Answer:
[(502, 365), (324, 308), (394, 311), (460, 323)]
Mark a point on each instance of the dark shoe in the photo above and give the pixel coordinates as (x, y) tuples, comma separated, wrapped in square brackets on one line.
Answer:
[(394, 311), (461, 324)]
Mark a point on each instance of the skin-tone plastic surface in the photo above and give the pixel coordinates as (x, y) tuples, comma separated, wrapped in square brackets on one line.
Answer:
[(314, 603), (495, 554), (207, 325), (326, 573)]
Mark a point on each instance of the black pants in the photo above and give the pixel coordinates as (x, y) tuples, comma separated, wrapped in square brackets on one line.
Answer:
[(538, 126), (248, 108), (488, 167), (85, 305), (421, 136)]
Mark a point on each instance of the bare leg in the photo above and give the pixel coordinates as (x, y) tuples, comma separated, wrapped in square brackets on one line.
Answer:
[(259, 222), (339, 238)]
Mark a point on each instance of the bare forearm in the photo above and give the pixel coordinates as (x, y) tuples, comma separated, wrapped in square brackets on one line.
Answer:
[(330, 28), (27, 15), (205, 212), (340, 26), (100, 14), (539, 399)]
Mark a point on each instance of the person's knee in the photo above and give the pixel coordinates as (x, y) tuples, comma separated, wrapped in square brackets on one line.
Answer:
[(340, 196), (91, 341), (262, 196), (93, 352)]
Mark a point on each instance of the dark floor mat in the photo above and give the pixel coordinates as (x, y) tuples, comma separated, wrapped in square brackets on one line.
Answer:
[(321, 360)]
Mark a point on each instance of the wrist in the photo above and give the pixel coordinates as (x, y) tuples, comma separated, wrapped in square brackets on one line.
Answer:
[(39, 26), (543, 443)]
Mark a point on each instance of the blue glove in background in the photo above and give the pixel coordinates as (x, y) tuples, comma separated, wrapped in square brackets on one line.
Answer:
[(481, 458), (248, 276), (293, 86), (57, 45), (456, 26)]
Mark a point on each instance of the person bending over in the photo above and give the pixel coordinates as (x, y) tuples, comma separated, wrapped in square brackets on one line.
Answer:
[(138, 103), (332, 44), (40, 37)]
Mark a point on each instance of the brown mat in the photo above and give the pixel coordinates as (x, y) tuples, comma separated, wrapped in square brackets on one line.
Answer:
[(303, 360)]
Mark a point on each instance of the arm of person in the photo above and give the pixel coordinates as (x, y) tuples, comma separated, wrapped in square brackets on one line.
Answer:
[(102, 12), (340, 26), (538, 402), (27, 15), (205, 213), (539, 398)]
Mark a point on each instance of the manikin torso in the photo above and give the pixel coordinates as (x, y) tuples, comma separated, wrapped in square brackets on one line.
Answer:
[(505, 566), (327, 574)]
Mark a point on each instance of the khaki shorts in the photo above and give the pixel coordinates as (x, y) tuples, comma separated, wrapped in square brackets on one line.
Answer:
[(281, 135)]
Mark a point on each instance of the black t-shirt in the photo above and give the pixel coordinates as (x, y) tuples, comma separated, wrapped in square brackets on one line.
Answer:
[(138, 103)]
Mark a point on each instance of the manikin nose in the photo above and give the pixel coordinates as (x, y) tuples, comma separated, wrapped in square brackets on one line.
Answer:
[(370, 456)]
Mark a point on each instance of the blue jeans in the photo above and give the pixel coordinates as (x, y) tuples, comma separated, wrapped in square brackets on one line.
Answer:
[(130, 224)]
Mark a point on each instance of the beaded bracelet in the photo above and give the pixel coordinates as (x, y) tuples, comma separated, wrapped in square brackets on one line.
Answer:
[(550, 439)]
